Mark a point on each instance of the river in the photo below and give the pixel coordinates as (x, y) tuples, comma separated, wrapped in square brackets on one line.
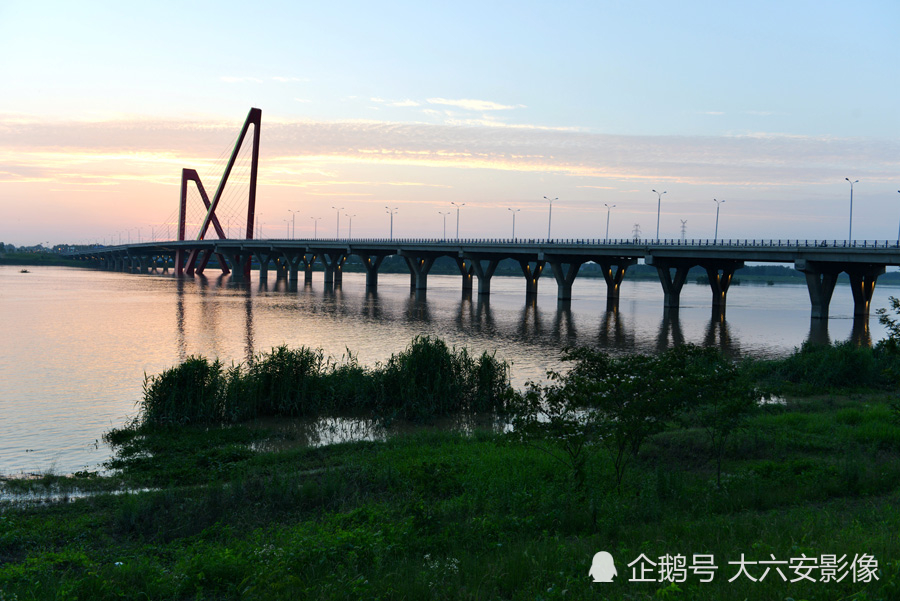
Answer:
[(78, 342)]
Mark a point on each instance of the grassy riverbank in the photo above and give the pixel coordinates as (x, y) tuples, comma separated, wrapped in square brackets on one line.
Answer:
[(237, 511)]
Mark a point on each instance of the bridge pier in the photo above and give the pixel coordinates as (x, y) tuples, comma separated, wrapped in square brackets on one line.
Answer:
[(334, 267), (720, 274), (532, 275), (484, 273), (565, 272), (419, 266), (614, 278), (264, 257), (862, 284), (820, 281), (672, 275), (240, 263), (372, 263), (308, 260), (466, 270)]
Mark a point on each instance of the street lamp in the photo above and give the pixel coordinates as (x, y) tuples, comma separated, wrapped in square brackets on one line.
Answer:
[(514, 211), (287, 228), (718, 204), (338, 229), (462, 204), (293, 223), (392, 212), (898, 231), (850, 234), (608, 209), (658, 205), (444, 215), (549, 215), (350, 231), (315, 227)]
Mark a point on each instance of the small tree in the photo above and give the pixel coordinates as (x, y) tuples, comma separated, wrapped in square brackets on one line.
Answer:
[(613, 403), (719, 399)]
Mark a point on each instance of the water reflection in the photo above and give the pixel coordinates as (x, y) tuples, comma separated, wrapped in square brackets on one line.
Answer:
[(122, 326), (614, 333), (860, 334), (718, 335), (670, 333)]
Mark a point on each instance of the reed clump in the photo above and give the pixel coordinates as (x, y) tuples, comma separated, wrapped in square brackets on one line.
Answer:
[(428, 379)]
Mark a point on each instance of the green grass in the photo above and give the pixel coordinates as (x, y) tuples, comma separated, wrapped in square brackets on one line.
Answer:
[(449, 516), (445, 515)]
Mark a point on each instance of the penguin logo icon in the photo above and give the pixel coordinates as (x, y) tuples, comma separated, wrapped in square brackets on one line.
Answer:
[(603, 568)]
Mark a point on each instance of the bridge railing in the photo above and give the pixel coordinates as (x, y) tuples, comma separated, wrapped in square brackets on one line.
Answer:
[(540, 242), (728, 242)]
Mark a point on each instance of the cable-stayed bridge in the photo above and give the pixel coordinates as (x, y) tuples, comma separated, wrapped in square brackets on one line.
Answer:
[(822, 261)]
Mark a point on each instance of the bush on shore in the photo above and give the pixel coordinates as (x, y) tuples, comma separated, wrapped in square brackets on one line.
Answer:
[(426, 380)]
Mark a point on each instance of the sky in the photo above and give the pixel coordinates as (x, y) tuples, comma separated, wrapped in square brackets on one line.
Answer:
[(767, 106)]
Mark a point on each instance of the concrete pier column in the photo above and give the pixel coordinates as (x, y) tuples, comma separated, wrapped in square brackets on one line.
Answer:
[(720, 275), (820, 281), (292, 261), (466, 270), (484, 273), (282, 267), (862, 284), (532, 275), (334, 267), (308, 260), (237, 260), (672, 275), (614, 273), (565, 271), (144, 264), (372, 263), (263, 257), (419, 267)]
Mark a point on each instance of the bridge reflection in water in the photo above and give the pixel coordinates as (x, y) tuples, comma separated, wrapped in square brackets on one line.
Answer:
[(531, 326)]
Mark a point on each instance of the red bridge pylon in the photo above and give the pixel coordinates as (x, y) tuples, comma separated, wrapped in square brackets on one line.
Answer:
[(197, 260)]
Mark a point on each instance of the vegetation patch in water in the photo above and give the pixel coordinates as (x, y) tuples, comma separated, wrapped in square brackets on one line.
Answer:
[(426, 380)]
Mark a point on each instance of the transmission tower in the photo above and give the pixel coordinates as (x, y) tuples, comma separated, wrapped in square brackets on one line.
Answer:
[(683, 229), (636, 232)]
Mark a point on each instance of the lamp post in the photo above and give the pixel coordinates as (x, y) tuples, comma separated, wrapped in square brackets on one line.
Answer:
[(444, 215), (898, 231), (658, 205), (337, 230), (549, 215), (350, 231), (315, 227), (392, 212), (287, 228), (514, 211), (850, 233), (293, 223), (718, 204), (608, 209), (462, 204)]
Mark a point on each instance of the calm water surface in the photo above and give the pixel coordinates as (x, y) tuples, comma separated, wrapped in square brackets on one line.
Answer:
[(78, 342)]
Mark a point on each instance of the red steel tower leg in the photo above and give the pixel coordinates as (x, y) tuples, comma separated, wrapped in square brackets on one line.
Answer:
[(254, 117)]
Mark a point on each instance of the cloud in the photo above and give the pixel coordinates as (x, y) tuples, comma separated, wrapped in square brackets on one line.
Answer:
[(474, 105), (293, 152)]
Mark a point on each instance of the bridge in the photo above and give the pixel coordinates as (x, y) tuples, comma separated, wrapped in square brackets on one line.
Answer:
[(821, 261), (477, 259)]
